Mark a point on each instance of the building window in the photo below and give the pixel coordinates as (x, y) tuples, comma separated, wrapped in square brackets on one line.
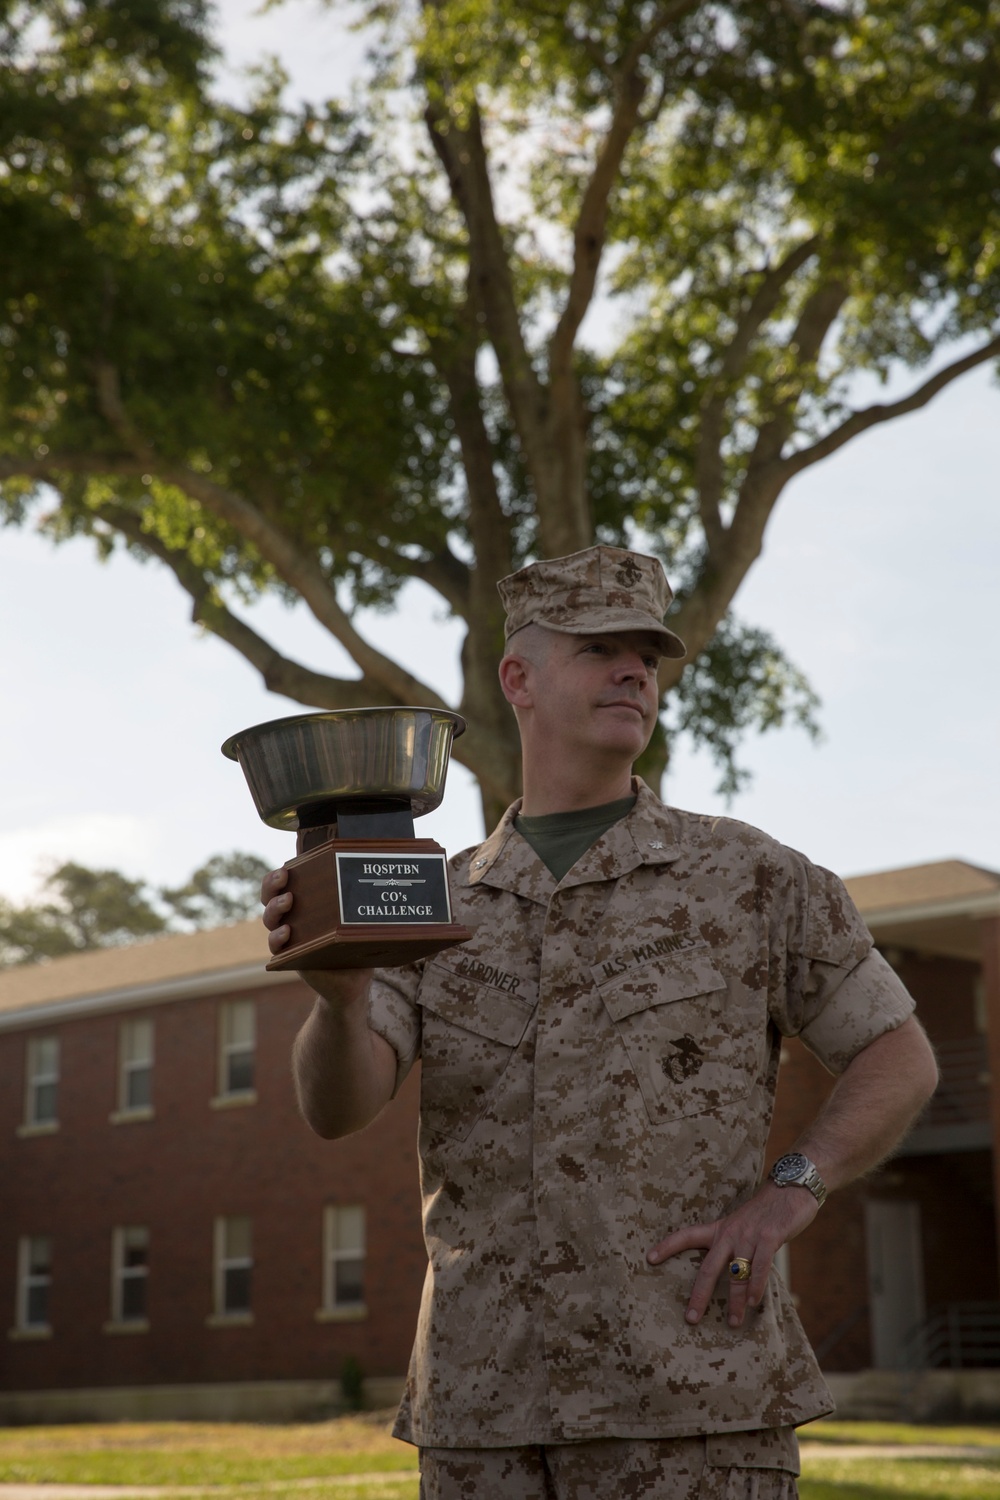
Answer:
[(135, 1068), (41, 1104), (34, 1281), (238, 1041), (344, 1259), (233, 1267), (129, 1275)]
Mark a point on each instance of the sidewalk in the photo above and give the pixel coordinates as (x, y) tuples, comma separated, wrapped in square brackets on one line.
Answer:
[(157, 1492)]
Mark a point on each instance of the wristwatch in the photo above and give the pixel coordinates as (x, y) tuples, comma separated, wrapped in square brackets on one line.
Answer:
[(796, 1170)]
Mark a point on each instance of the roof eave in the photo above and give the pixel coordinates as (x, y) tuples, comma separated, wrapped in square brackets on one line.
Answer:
[(129, 997), (975, 908)]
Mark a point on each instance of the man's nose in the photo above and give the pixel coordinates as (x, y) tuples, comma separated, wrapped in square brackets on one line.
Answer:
[(632, 668)]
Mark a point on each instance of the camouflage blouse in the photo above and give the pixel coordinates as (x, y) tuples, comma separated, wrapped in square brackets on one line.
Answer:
[(598, 1066)]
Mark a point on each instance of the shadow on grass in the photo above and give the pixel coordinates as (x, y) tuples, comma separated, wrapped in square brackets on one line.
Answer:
[(847, 1489), (827, 1489)]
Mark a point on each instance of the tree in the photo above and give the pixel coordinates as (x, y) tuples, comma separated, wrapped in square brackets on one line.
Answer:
[(224, 889), (327, 351), (87, 909)]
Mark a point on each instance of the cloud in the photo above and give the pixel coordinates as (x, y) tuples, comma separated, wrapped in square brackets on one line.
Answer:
[(101, 840)]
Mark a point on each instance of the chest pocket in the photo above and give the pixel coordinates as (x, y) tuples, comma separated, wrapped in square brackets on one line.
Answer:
[(673, 1019), (470, 1032)]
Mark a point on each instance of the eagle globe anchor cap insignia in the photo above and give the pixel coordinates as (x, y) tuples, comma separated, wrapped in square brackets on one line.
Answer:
[(629, 574), (594, 592)]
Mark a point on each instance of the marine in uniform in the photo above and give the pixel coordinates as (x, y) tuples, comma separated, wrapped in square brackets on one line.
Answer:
[(601, 1316)]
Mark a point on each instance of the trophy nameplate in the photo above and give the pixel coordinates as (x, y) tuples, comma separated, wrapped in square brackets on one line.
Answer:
[(365, 890)]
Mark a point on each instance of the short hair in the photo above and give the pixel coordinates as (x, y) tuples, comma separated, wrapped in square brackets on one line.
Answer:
[(533, 641)]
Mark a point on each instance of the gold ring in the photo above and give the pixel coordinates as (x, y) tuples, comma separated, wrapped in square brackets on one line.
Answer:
[(739, 1268)]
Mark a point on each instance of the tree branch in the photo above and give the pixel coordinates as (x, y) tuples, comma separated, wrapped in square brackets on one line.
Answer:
[(112, 409), (733, 550), (815, 321), (462, 153), (710, 469), (873, 416), (295, 567), (304, 574), (762, 304), (54, 466), (489, 528), (591, 222), (664, 18), (442, 571), (279, 673), (698, 616), (564, 515)]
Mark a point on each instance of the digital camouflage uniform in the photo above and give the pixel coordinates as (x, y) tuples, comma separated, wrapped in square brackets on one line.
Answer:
[(598, 1069)]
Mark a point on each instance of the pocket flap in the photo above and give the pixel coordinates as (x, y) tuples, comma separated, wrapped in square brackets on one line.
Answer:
[(479, 1008), (678, 977), (764, 1448)]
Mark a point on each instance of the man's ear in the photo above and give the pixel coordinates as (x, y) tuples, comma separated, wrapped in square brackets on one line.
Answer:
[(514, 673)]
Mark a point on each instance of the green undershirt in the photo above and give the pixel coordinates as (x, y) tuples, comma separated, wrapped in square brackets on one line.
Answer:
[(560, 839)]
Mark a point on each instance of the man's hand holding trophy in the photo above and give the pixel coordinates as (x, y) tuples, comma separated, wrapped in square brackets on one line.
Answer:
[(366, 891)]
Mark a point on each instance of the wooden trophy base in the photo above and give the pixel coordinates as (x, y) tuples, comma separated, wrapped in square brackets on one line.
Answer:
[(346, 894)]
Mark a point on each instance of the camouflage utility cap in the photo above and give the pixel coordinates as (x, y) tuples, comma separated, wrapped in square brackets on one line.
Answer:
[(594, 592)]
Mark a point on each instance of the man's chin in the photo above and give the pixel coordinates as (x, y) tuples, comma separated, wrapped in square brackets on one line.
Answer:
[(629, 740)]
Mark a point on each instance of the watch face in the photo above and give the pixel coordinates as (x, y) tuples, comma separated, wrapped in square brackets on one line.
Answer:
[(790, 1168)]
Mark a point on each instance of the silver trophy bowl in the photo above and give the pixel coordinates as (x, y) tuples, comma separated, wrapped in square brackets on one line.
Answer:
[(297, 767)]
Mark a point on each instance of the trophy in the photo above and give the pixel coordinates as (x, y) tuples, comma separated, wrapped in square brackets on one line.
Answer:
[(366, 891)]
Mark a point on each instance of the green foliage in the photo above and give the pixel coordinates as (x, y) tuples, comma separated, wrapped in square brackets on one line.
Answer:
[(324, 350), (225, 889), (89, 909), (159, 280), (741, 681), (352, 1382)]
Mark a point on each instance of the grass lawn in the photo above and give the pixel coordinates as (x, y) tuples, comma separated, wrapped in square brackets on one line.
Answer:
[(898, 1432), (403, 1488), (209, 1453), (305, 1462), (829, 1472), (825, 1477)]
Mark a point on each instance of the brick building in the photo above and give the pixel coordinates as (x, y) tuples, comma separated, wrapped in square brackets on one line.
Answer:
[(900, 1271), (174, 1240), (168, 1220)]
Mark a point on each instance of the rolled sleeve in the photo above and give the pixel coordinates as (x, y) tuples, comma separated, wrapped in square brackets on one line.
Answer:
[(868, 1001), (839, 994)]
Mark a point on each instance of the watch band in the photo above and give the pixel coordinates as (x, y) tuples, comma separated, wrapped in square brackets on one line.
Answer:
[(796, 1170)]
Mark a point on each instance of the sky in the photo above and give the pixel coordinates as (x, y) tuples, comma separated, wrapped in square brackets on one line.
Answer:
[(879, 577)]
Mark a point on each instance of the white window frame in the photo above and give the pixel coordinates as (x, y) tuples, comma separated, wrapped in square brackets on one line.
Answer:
[(27, 1280), (122, 1273), (231, 1048), (41, 1073), (225, 1260), (337, 1225), (133, 1061)]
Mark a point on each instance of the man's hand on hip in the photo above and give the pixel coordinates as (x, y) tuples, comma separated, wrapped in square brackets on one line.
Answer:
[(754, 1233)]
